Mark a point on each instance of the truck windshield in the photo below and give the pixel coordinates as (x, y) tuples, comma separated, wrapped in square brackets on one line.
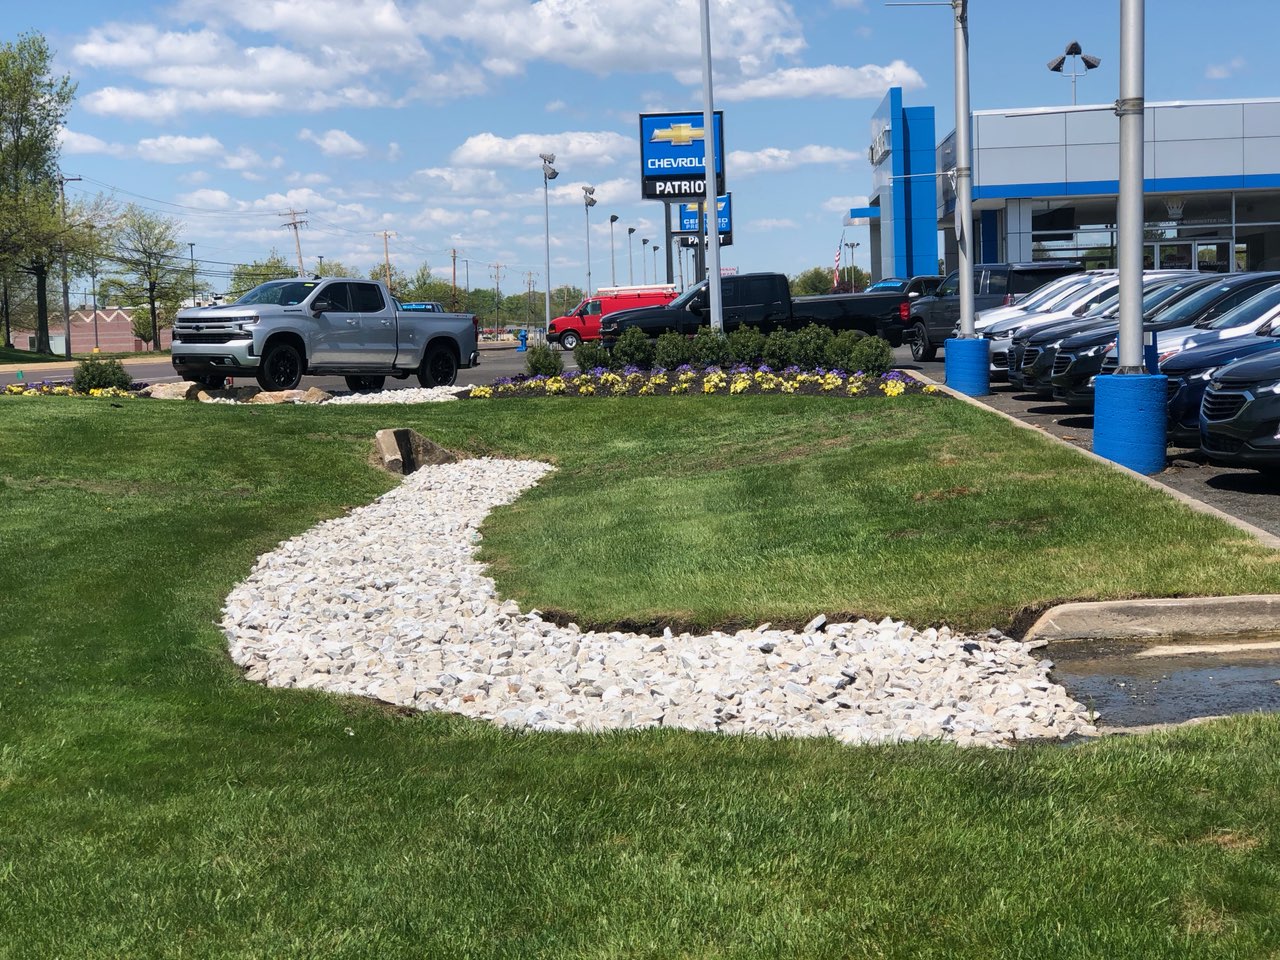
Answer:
[(682, 301), (283, 292)]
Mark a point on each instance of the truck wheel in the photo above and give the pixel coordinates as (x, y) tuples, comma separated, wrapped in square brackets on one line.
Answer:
[(569, 340), (281, 367), (365, 384), (921, 348), (439, 368)]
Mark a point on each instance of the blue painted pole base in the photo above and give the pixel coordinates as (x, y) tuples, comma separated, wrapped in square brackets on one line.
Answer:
[(1129, 417), (968, 366)]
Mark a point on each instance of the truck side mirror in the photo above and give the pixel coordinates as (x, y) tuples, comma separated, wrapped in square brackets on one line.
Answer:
[(320, 306), (913, 294)]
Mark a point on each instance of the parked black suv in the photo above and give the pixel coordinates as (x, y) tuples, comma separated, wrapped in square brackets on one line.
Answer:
[(1240, 414), (933, 318)]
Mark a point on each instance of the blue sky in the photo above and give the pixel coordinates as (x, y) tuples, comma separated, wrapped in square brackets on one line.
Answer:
[(426, 118)]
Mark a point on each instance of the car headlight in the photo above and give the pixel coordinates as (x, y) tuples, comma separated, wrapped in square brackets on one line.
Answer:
[(1272, 387), (1098, 350), (1206, 375)]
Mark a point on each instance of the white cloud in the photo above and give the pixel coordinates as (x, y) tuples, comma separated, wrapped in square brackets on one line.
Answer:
[(772, 224), (828, 81), (555, 106), (1223, 71), (177, 149), (335, 143), (845, 204), (582, 147), (72, 142), (774, 159), (207, 199)]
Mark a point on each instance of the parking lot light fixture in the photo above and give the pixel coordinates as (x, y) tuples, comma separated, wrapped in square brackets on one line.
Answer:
[(1078, 56), (549, 173), (588, 201), (631, 263), (613, 260), (644, 264)]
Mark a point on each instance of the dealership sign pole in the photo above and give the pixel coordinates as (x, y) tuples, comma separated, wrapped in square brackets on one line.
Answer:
[(1130, 405), (712, 193)]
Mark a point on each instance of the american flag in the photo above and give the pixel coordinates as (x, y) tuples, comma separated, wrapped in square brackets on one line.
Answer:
[(835, 276)]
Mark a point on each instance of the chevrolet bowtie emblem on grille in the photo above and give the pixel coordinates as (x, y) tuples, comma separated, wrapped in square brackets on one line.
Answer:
[(678, 135)]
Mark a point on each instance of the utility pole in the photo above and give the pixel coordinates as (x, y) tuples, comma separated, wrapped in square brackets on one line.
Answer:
[(66, 294), (386, 254), (192, 248), (453, 253), (294, 222)]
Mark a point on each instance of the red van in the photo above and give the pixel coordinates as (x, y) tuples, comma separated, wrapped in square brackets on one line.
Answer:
[(583, 321)]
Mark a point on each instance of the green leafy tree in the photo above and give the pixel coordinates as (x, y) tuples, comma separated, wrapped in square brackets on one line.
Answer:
[(423, 285), (246, 276), (152, 270), (816, 280), (336, 268), (33, 109), (399, 281)]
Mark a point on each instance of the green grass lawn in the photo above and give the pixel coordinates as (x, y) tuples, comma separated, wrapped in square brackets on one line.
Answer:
[(152, 803)]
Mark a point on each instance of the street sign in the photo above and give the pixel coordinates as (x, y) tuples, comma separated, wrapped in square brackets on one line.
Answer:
[(692, 221), (673, 155)]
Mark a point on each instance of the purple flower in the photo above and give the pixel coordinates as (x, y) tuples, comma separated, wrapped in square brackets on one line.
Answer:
[(764, 368)]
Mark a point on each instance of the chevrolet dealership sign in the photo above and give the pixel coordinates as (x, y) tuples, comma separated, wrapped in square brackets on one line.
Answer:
[(691, 222), (673, 155)]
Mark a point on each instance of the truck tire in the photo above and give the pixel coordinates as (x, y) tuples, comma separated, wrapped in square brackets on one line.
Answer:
[(921, 348), (439, 367), (365, 384), (569, 340), (281, 367)]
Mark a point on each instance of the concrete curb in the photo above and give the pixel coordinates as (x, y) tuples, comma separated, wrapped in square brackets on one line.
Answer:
[(1149, 619), (1262, 536)]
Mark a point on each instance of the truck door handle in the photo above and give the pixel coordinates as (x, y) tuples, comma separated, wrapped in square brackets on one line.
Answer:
[(353, 320), (386, 322)]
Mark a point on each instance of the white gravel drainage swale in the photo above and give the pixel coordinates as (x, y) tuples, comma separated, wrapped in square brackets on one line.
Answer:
[(389, 602)]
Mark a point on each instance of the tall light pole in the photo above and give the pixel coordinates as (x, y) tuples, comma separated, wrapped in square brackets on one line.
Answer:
[(588, 201), (631, 263), (709, 155), (853, 280), (1129, 411), (320, 264), (1073, 51), (644, 264), (967, 357), (656, 248), (613, 262), (549, 173), (93, 276), (66, 293)]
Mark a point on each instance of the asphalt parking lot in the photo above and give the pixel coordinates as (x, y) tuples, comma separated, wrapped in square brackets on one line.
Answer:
[(1253, 497)]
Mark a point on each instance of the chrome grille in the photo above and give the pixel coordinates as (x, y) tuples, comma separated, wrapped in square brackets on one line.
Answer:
[(224, 336), (1061, 363), (1000, 360), (1222, 406), (1111, 365), (1029, 356)]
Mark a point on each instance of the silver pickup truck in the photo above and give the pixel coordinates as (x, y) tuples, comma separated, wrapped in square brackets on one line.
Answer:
[(283, 329)]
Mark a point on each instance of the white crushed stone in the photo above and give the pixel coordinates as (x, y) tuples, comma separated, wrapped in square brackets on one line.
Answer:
[(410, 395), (389, 602)]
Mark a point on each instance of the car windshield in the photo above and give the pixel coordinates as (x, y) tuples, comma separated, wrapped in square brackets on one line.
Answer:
[(1249, 311), (682, 301), (1153, 301), (892, 284), (1194, 304), (1043, 300), (286, 293)]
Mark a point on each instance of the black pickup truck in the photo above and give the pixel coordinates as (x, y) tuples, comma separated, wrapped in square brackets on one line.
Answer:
[(761, 300), (931, 320)]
